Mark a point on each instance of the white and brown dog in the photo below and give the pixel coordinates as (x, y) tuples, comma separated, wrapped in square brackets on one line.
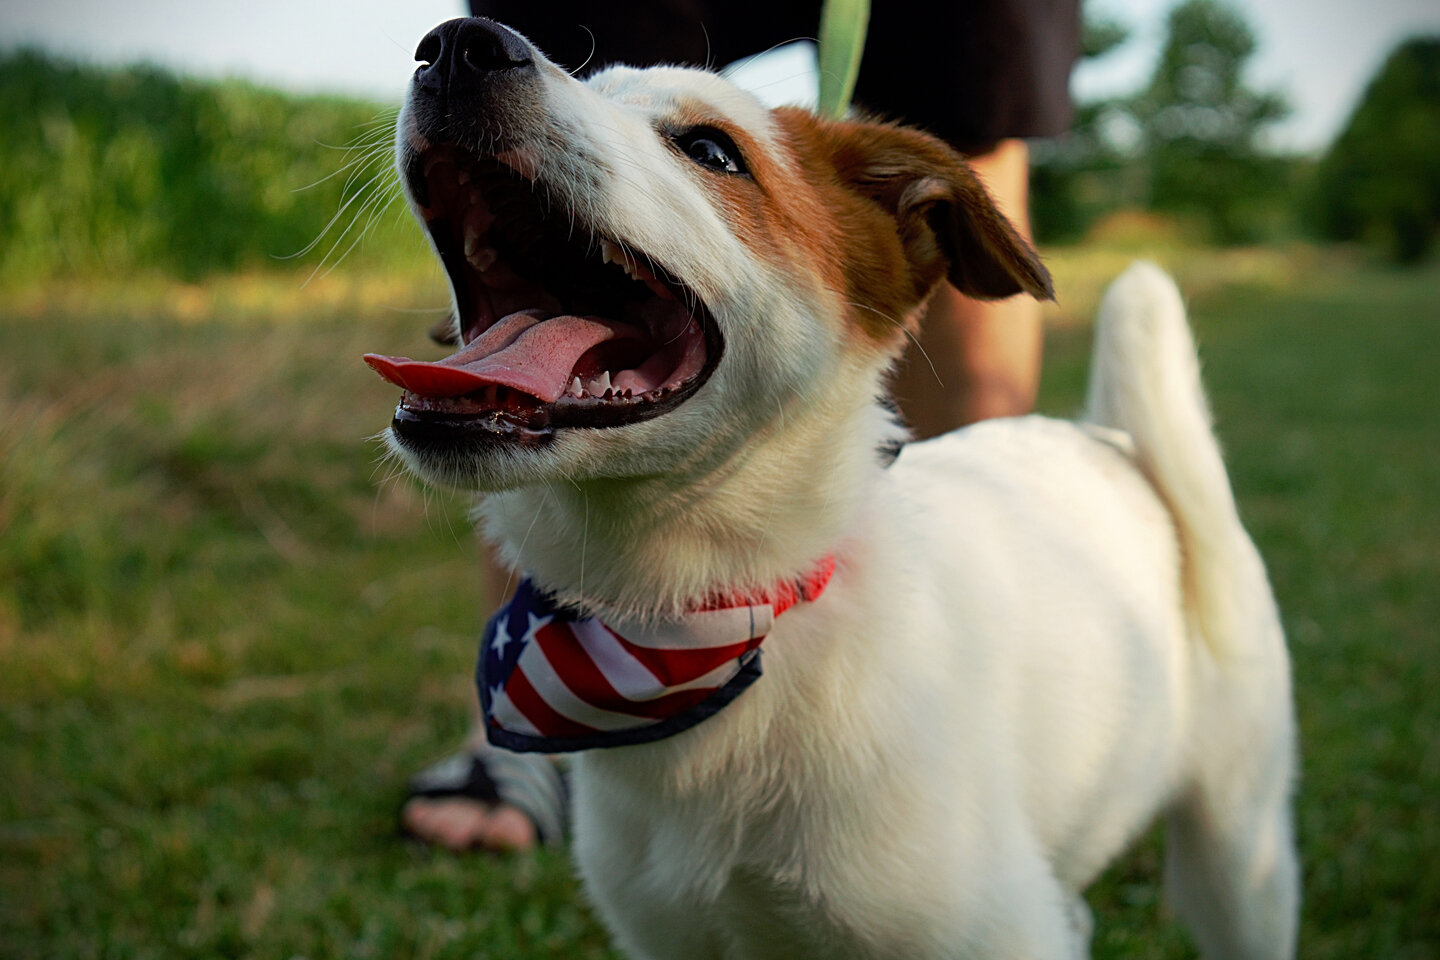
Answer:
[(676, 311)]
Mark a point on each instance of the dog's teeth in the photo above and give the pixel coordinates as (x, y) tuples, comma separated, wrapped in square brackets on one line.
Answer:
[(462, 176), (483, 258), (474, 222), (611, 252), (472, 241), (576, 390), (600, 386)]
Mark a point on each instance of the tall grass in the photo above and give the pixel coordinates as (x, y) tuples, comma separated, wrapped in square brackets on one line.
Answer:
[(126, 170)]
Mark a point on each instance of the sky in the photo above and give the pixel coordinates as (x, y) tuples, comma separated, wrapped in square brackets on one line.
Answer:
[(1318, 53)]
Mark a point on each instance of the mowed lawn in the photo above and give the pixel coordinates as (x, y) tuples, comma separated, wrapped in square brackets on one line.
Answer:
[(227, 634)]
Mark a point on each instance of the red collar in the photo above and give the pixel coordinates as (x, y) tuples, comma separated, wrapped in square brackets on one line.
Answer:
[(781, 597)]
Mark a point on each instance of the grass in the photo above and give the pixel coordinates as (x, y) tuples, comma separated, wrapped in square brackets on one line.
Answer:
[(226, 638), (119, 169)]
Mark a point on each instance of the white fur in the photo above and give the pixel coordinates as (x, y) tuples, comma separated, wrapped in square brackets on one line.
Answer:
[(1039, 637)]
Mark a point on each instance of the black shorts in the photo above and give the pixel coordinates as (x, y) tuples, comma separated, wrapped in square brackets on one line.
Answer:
[(972, 71)]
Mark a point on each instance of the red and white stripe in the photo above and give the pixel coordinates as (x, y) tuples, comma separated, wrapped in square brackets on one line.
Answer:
[(577, 678)]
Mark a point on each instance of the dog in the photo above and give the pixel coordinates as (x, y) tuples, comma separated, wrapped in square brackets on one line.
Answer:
[(987, 665)]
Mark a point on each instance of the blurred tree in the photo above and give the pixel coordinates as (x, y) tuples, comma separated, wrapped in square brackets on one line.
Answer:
[(1380, 181), (1100, 35), (1200, 127)]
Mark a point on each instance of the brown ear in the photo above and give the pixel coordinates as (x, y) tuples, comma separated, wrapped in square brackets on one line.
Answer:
[(986, 258), (947, 222)]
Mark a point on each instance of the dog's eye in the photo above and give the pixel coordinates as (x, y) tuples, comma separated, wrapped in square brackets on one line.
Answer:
[(712, 149)]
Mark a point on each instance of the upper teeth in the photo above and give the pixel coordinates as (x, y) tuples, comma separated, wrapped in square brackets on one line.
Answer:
[(465, 199), (481, 258), (474, 226), (611, 252)]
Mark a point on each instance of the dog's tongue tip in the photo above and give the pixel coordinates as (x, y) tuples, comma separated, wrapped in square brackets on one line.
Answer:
[(522, 352), (385, 366), (391, 369), (425, 379)]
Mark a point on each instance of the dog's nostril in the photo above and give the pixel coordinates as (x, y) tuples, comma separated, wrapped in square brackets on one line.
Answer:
[(429, 50), (483, 51)]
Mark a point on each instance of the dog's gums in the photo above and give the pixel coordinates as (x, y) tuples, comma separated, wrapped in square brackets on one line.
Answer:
[(557, 327)]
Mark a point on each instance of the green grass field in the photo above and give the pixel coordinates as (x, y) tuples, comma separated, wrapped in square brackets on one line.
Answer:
[(226, 635)]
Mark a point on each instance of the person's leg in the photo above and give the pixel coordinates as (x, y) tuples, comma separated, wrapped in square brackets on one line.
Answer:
[(461, 822), (976, 359)]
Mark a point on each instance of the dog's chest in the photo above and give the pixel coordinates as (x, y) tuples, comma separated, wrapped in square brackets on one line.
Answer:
[(678, 884), (743, 846)]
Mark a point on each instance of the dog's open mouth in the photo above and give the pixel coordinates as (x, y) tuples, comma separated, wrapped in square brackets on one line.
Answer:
[(559, 326)]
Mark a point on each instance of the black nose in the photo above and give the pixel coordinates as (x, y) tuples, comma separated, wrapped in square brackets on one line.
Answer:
[(463, 55)]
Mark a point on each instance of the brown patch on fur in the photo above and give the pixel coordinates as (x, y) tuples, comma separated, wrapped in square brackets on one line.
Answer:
[(882, 212), (871, 262), (775, 213), (887, 212), (939, 213), (793, 212)]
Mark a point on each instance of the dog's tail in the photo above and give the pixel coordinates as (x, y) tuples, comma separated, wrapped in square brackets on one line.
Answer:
[(1145, 381)]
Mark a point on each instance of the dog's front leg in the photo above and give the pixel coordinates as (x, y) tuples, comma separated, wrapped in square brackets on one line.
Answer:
[(637, 889), (1031, 917), (649, 936)]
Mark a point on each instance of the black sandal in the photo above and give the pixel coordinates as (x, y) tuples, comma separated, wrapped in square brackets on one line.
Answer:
[(530, 782)]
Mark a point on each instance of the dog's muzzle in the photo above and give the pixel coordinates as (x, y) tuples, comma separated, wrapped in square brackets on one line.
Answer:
[(475, 83), (559, 323)]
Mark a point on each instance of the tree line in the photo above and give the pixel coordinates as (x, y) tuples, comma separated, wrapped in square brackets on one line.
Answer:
[(109, 170), (1190, 145)]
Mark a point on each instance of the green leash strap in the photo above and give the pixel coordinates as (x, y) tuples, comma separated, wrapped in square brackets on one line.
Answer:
[(842, 41)]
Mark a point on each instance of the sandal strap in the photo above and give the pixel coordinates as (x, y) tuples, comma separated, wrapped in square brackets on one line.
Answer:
[(530, 782)]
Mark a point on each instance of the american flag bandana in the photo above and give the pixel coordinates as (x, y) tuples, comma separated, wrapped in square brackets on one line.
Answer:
[(553, 679)]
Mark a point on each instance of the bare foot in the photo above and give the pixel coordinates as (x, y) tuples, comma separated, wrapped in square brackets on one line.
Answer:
[(460, 824)]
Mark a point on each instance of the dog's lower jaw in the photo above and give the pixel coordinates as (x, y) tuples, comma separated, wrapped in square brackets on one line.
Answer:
[(653, 545)]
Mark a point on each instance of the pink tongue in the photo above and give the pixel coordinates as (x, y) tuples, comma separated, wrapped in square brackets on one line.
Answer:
[(523, 351)]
